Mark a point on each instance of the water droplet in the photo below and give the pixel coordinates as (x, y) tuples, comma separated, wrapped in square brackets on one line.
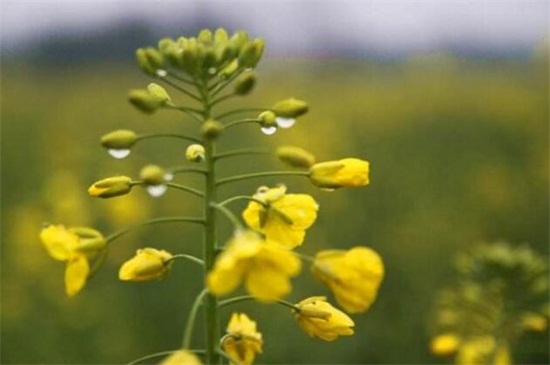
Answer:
[(268, 130), (212, 70), (161, 73), (157, 190), (285, 122), (328, 189), (119, 153), (168, 176)]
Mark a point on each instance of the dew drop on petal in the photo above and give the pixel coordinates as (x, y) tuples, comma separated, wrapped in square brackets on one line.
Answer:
[(168, 176), (161, 73), (119, 153), (285, 122), (157, 190), (268, 130)]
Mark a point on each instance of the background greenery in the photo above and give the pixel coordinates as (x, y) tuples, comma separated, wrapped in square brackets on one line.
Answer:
[(458, 151)]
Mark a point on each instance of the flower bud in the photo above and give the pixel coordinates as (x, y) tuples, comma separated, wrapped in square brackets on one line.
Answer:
[(158, 92), (147, 264), (349, 172), (229, 70), (318, 318), (290, 108), (143, 61), (295, 156), (245, 84), (251, 53), (119, 139), (152, 175), (154, 57), (195, 153), (211, 129), (144, 101), (238, 40), (190, 56), (205, 36), (268, 119), (181, 357), (111, 187), (221, 36)]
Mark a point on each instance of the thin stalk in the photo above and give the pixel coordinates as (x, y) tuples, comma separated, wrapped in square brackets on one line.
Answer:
[(189, 111), (187, 257), (261, 174), (227, 357), (241, 197), (182, 169), (151, 356), (239, 152), (242, 121), (171, 135), (243, 298), (222, 98), (188, 334), (179, 88), (218, 87), (229, 215), (114, 236), (180, 78), (238, 111), (185, 188)]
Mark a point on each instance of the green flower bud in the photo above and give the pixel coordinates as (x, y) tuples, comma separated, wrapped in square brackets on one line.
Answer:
[(158, 92), (209, 59), (195, 153), (295, 156), (170, 50), (152, 175), (143, 61), (238, 39), (120, 139), (154, 57), (111, 187), (268, 119), (251, 53), (211, 129), (205, 36), (290, 108), (144, 101), (221, 36), (245, 84), (190, 56), (229, 70)]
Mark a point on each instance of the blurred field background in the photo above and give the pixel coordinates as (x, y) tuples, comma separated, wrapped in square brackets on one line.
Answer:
[(459, 155)]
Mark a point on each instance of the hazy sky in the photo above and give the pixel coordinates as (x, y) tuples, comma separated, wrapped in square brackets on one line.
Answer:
[(303, 26)]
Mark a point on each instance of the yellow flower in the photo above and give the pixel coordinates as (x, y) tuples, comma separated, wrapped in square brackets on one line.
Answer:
[(445, 344), (475, 351), (502, 355), (147, 264), (111, 187), (534, 322), (264, 267), (283, 218), (75, 246), (319, 318), (181, 357), (353, 276), (243, 341), (349, 172)]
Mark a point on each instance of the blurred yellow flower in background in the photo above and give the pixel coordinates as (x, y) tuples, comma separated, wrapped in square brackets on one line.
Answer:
[(181, 357), (75, 246), (318, 318), (283, 218), (242, 341), (265, 268), (445, 344), (353, 276), (147, 264), (349, 172)]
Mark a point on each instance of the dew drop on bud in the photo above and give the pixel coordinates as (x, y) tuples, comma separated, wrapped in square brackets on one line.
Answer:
[(328, 190), (268, 130), (157, 190), (285, 122), (161, 73), (119, 153), (168, 176)]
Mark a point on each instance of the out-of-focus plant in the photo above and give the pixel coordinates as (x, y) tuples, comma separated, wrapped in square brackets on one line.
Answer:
[(261, 253), (501, 292)]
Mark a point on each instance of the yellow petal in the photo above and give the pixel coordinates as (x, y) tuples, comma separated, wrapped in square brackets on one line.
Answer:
[(76, 274), (181, 357), (59, 241), (267, 285)]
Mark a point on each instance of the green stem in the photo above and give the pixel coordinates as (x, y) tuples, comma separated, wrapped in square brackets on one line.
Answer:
[(188, 334), (179, 88), (243, 298), (180, 78), (181, 169), (222, 98), (241, 197), (171, 135), (193, 113), (238, 111), (239, 152), (185, 188), (261, 174), (116, 235), (242, 121), (151, 356), (218, 87), (229, 215), (187, 257)]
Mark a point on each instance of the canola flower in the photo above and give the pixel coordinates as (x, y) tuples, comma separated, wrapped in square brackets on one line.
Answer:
[(242, 342), (208, 70), (264, 267), (353, 276), (282, 218), (76, 246), (318, 318)]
